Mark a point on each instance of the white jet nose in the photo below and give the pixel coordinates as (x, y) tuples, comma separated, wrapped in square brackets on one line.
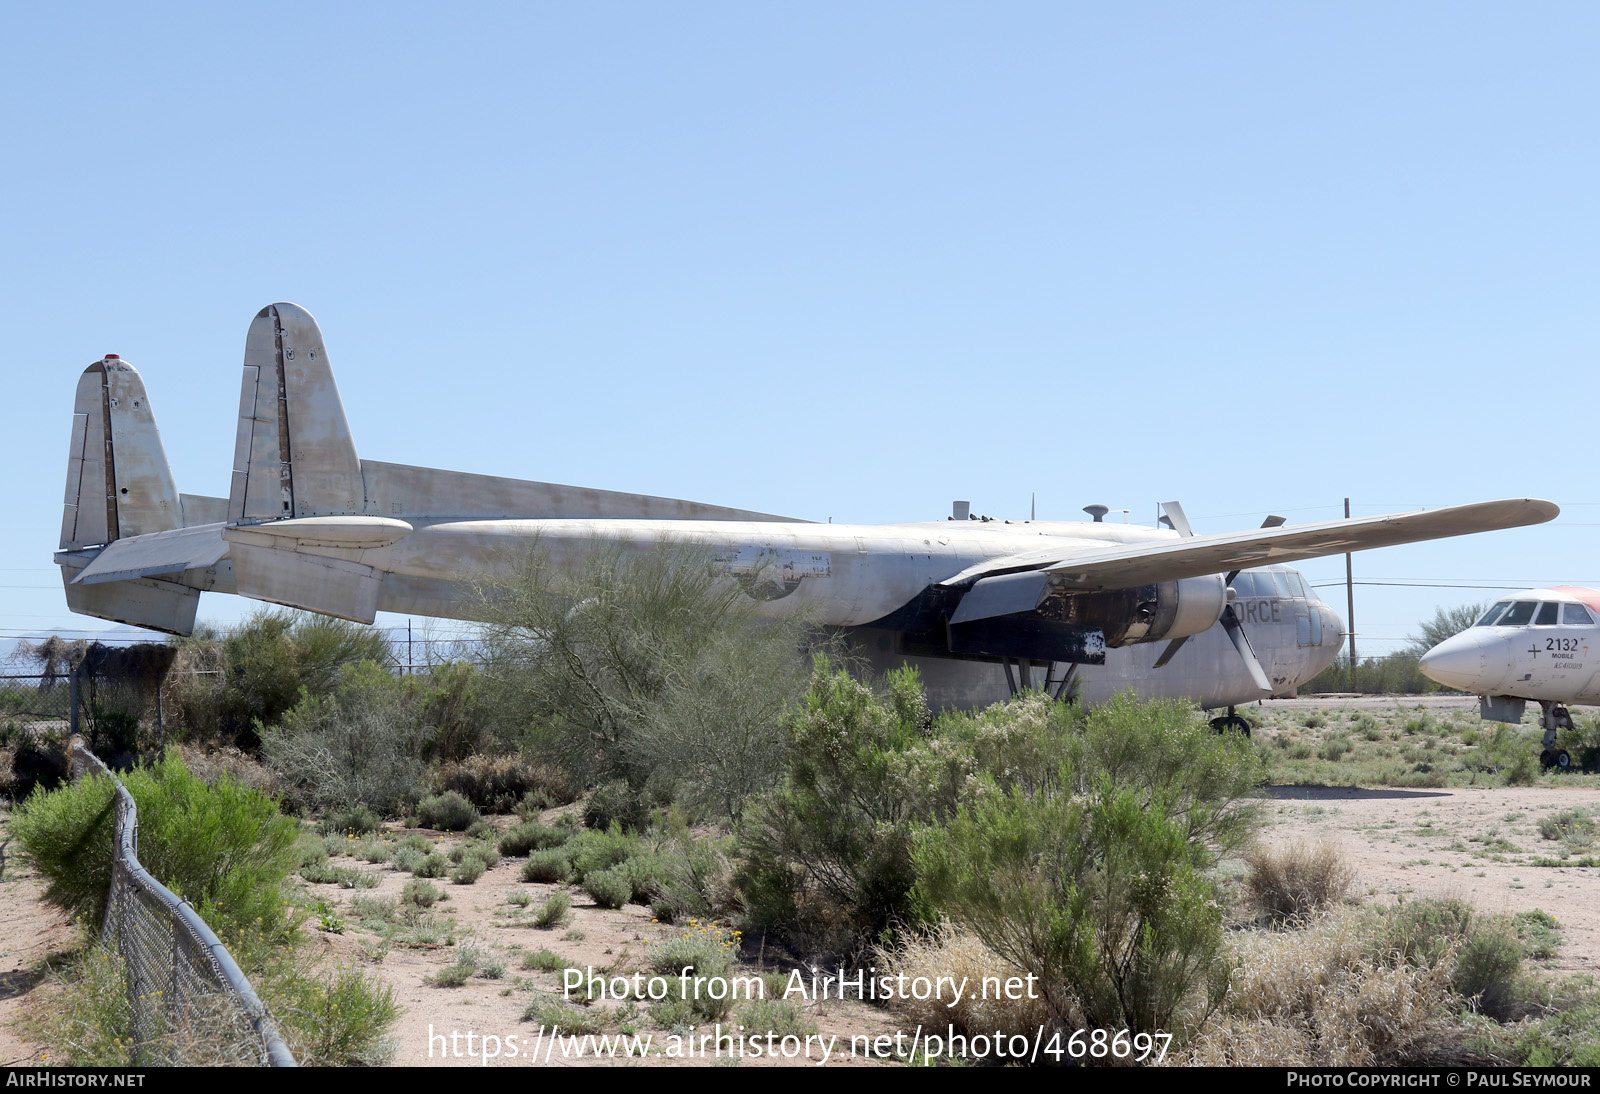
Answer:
[(1457, 662)]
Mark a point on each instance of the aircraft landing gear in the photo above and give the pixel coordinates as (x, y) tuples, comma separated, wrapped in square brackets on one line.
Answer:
[(1554, 717), (1231, 720)]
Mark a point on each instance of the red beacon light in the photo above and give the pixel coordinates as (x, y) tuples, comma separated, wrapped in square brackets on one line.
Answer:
[(113, 357)]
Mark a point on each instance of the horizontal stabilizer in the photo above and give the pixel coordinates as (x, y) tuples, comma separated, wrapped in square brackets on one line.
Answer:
[(158, 553), (158, 605), (1145, 563)]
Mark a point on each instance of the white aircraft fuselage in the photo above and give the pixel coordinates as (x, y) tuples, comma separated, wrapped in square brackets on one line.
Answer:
[(984, 606), (1542, 645)]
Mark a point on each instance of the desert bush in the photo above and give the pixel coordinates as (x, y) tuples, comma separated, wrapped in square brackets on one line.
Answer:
[(1292, 882), (1326, 997), (548, 866), (1092, 874), (356, 744), (496, 783), (1102, 898), (434, 865), (641, 665), (609, 888), (420, 893), (1480, 954), (826, 860), (449, 812), (470, 870), (700, 953), (532, 836), (944, 951), (351, 820), (593, 850), (222, 846), (260, 669), (554, 912)]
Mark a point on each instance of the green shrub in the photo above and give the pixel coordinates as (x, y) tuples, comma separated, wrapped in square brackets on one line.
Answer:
[(1092, 873), (609, 888), (421, 893), (827, 859), (434, 865), (449, 812), (616, 803), (531, 836), (262, 668), (350, 750), (600, 850), (470, 870), (554, 912), (355, 820), (222, 846), (543, 961), (547, 866)]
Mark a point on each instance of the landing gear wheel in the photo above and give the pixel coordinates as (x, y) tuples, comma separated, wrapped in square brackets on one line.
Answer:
[(1563, 761), (1231, 721)]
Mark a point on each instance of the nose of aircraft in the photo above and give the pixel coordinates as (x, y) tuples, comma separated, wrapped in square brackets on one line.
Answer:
[(1458, 662)]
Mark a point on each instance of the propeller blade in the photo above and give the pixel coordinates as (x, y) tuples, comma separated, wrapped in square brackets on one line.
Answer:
[(1273, 521), (1175, 517), (1172, 647), (1230, 623)]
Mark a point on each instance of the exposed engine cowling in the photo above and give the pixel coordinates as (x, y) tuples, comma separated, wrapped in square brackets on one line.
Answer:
[(1146, 613)]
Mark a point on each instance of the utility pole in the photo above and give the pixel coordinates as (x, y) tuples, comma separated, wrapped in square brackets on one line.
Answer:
[(1350, 601)]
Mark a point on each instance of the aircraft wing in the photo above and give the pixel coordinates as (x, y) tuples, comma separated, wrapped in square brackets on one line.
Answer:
[(1145, 564)]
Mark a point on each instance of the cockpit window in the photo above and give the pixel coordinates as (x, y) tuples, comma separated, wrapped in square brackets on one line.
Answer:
[(1492, 614), (1245, 584), (1576, 613), (1547, 614), (1520, 614), (1280, 581)]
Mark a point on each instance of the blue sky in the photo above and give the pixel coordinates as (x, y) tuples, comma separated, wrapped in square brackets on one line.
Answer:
[(839, 260)]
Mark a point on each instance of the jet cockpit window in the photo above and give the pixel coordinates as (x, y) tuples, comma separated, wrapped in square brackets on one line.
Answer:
[(1492, 614), (1577, 614), (1520, 614), (1547, 614)]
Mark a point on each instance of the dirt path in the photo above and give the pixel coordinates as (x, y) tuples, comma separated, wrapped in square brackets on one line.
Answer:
[(30, 932), (1480, 846), (433, 1031)]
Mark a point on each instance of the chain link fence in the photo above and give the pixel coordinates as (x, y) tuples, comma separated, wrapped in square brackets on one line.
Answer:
[(190, 1004)]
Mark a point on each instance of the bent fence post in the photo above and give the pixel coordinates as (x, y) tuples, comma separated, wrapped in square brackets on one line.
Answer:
[(184, 987)]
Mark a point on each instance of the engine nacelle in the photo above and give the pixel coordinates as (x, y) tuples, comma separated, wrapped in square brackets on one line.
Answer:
[(1144, 613)]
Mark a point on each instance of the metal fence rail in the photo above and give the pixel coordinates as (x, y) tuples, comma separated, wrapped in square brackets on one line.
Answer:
[(190, 1002)]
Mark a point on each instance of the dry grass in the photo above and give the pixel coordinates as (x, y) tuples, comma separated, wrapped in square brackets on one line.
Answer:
[(1298, 881), (1316, 997), (948, 952)]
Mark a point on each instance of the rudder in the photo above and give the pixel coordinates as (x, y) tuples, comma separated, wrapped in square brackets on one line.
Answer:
[(293, 455)]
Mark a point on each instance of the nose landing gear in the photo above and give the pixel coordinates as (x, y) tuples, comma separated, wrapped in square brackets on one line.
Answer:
[(1554, 717)]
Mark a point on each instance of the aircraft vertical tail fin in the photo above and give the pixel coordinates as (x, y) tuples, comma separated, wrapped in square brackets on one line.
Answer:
[(119, 487), (118, 481), (293, 456)]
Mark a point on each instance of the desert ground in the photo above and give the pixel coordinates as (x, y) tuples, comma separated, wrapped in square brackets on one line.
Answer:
[(1481, 844)]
